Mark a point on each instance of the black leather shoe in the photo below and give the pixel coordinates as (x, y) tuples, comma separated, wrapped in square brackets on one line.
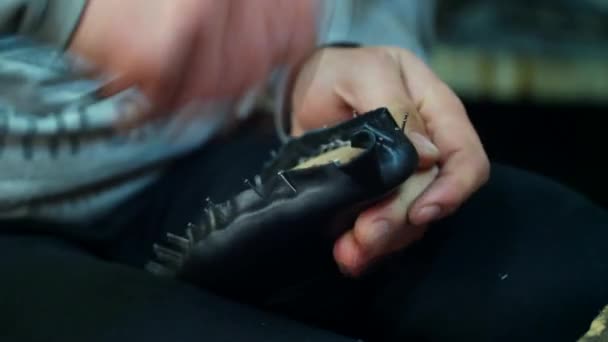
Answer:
[(308, 195)]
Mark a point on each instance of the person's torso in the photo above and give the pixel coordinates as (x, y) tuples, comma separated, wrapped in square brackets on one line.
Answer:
[(61, 154)]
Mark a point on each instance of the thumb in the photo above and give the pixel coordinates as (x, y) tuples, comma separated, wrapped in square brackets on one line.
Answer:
[(408, 117), (383, 86), (393, 95)]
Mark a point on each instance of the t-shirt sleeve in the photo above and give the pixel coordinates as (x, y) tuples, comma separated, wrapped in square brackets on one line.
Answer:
[(404, 23), (47, 21)]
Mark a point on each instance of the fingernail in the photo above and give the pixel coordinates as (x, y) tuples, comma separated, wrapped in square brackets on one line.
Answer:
[(422, 142), (427, 214)]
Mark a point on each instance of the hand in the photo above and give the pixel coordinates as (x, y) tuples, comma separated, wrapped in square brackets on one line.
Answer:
[(180, 51), (336, 81)]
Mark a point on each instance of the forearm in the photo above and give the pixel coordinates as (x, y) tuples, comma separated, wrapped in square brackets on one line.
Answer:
[(48, 21)]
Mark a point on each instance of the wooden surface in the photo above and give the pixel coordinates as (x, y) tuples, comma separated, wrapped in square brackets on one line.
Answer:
[(598, 329)]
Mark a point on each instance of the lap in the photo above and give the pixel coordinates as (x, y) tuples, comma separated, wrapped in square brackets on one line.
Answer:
[(53, 290), (523, 259)]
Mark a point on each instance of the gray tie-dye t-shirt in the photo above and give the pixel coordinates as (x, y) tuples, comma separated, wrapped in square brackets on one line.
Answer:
[(61, 157)]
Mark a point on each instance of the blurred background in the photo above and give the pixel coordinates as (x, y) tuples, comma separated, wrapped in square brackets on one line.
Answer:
[(534, 77)]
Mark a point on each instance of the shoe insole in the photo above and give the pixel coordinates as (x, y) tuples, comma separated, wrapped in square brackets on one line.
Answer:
[(341, 155), (410, 190)]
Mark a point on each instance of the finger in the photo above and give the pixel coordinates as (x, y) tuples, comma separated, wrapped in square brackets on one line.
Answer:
[(159, 84), (384, 227), (116, 85), (327, 91), (461, 175), (464, 164), (313, 98), (428, 153), (383, 86), (348, 254), (131, 107), (159, 90), (414, 128)]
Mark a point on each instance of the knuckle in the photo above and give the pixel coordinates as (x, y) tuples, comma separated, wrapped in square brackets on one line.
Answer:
[(380, 56), (461, 188)]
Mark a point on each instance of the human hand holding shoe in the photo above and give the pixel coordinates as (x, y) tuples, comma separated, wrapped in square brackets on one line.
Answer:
[(337, 81)]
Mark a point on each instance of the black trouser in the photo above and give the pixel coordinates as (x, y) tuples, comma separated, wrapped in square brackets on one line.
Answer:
[(524, 259)]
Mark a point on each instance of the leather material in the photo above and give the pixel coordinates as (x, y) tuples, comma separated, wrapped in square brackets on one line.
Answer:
[(288, 215)]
